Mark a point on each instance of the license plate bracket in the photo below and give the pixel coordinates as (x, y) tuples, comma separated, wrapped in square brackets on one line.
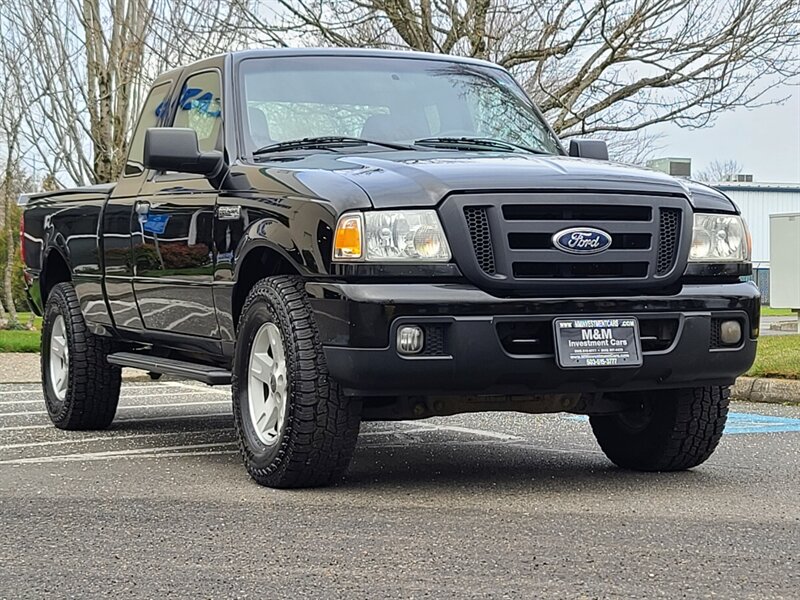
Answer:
[(592, 342)]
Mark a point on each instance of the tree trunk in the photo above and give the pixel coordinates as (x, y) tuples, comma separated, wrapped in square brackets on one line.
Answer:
[(9, 272), (3, 318)]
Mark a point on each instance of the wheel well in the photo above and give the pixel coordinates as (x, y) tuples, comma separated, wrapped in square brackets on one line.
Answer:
[(55, 271), (257, 264)]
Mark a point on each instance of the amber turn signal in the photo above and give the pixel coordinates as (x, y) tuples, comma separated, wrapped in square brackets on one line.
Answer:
[(347, 243)]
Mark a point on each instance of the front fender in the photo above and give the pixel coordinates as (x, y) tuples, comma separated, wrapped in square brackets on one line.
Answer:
[(301, 233)]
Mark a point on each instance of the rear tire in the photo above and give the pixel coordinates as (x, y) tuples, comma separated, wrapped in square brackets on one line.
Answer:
[(81, 390), (670, 430), (294, 425)]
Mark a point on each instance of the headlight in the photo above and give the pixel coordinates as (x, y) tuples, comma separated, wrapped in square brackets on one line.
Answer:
[(719, 238), (391, 236)]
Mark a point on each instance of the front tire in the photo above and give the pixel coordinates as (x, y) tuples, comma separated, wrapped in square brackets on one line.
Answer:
[(294, 426), (669, 430), (81, 389)]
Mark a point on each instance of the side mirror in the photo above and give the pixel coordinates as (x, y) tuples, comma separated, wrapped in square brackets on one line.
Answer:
[(596, 149), (175, 149)]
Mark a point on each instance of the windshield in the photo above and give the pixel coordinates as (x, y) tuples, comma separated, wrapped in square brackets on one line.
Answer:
[(385, 99)]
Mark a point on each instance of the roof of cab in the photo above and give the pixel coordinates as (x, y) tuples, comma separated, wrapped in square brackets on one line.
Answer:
[(240, 55)]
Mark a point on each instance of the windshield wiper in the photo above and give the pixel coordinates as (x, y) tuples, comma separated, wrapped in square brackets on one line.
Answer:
[(475, 142), (326, 143)]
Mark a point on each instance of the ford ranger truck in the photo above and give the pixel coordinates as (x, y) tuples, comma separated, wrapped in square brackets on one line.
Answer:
[(348, 235)]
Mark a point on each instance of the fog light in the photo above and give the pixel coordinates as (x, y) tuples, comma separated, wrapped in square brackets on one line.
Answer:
[(730, 332), (410, 339)]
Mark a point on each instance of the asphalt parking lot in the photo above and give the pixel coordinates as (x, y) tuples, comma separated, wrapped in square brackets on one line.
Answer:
[(487, 505)]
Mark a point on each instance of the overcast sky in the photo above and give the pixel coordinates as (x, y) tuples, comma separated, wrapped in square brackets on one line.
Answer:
[(766, 141)]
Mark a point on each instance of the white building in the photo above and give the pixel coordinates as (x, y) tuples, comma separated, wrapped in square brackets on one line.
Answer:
[(758, 201)]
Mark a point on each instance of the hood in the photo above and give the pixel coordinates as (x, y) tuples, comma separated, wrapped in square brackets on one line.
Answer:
[(417, 179)]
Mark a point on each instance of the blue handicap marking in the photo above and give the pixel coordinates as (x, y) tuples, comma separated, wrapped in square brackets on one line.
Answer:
[(752, 423), (739, 423)]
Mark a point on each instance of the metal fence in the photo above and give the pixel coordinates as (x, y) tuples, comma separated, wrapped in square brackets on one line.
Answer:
[(761, 279)]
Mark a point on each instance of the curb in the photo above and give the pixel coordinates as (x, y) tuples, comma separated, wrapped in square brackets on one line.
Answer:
[(764, 389)]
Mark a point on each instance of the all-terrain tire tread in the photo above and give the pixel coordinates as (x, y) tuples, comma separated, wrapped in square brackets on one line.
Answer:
[(94, 384), (687, 438), (323, 423)]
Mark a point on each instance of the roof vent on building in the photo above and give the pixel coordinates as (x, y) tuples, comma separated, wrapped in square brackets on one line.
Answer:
[(677, 167), (740, 178)]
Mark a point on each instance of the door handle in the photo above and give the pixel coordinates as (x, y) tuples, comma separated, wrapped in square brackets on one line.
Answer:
[(142, 207)]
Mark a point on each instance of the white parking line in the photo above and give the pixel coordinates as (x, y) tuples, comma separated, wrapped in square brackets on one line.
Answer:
[(137, 396), (125, 386), (479, 432), (394, 431), (109, 454), (38, 401), (193, 386), (108, 438), (170, 405), (116, 421)]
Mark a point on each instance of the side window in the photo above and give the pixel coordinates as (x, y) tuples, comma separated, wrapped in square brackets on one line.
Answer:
[(154, 107), (200, 108)]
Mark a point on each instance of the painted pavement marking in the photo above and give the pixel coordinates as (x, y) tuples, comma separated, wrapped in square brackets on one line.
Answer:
[(743, 423)]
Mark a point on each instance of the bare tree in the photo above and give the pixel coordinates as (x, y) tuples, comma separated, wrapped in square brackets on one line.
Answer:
[(720, 170), (92, 61), (605, 68), (13, 102), (594, 67)]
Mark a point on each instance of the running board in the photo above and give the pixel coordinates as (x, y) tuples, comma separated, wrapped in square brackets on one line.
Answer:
[(168, 366)]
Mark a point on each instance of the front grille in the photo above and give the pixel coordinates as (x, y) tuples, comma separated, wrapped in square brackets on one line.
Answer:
[(511, 240), (669, 230), (576, 212), (544, 241), (481, 237)]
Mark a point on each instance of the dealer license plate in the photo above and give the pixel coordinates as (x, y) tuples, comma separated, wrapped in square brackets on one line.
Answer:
[(595, 342)]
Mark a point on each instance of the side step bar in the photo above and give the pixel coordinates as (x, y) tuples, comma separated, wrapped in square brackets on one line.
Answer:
[(168, 366)]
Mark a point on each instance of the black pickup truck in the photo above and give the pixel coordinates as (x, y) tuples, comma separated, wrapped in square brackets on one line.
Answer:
[(345, 235)]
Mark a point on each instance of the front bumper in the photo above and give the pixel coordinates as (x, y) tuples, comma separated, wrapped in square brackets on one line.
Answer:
[(358, 324)]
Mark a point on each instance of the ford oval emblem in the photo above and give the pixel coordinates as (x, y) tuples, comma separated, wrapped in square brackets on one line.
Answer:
[(582, 240)]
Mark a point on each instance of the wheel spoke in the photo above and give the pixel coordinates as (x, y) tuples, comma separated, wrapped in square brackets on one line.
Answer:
[(272, 418), (59, 382), (274, 340), (262, 366), (59, 346), (267, 383), (59, 358)]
